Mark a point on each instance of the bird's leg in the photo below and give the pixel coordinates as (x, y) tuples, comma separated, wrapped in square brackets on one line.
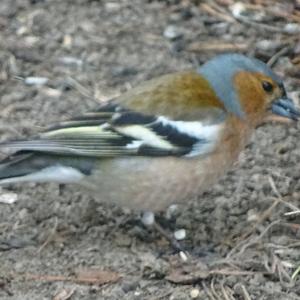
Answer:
[(148, 219)]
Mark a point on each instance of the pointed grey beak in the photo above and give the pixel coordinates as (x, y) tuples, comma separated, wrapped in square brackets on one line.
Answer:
[(285, 107)]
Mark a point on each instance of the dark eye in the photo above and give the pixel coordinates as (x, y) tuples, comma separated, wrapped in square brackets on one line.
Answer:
[(267, 86)]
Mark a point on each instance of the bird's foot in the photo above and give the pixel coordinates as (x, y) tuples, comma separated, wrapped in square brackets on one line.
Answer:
[(148, 219)]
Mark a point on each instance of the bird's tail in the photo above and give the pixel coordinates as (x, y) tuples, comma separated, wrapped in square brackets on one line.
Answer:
[(39, 167)]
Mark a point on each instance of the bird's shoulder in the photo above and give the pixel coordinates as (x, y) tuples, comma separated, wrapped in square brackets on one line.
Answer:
[(183, 95)]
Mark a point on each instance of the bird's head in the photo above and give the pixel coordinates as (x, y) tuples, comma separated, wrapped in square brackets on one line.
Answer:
[(248, 88)]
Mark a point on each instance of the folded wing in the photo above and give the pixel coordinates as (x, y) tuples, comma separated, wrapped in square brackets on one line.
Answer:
[(113, 131)]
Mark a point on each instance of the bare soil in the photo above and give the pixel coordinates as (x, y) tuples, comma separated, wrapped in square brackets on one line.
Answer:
[(57, 243)]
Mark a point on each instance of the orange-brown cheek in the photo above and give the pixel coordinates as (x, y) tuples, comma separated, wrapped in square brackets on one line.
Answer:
[(252, 97)]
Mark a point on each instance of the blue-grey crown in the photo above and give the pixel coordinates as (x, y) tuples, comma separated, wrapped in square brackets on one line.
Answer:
[(220, 71)]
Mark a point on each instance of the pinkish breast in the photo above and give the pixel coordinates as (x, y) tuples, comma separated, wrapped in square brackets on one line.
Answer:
[(147, 183)]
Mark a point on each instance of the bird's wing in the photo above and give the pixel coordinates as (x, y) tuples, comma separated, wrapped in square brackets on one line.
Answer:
[(114, 131), (140, 122)]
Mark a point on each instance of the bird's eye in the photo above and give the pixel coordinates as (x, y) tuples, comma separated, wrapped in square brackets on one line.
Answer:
[(267, 86)]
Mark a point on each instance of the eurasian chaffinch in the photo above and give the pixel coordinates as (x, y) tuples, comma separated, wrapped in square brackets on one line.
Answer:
[(162, 142)]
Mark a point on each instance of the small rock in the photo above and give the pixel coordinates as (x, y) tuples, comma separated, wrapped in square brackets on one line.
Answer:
[(180, 234), (252, 215), (148, 218), (31, 80), (172, 32), (71, 61), (194, 293), (67, 41), (64, 294), (183, 256), (22, 30), (50, 92), (171, 211), (8, 198), (238, 9), (292, 28), (267, 45)]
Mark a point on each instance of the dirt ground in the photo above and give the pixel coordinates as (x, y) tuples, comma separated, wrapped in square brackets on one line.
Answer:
[(57, 243)]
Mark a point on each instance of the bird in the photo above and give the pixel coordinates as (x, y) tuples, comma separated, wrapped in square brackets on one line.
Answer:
[(160, 143)]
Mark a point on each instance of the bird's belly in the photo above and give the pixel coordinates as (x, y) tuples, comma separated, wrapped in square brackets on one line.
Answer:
[(155, 183)]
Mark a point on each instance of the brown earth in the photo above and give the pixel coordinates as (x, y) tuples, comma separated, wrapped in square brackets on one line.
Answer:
[(242, 243)]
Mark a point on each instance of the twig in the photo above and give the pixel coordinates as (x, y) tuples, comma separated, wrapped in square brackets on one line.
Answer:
[(295, 274), (245, 293), (261, 219), (282, 273), (230, 292), (213, 11), (280, 198), (50, 237), (273, 60), (291, 213), (260, 26), (269, 210), (235, 272), (213, 290), (224, 292), (192, 277), (244, 244), (81, 89), (207, 291), (216, 46)]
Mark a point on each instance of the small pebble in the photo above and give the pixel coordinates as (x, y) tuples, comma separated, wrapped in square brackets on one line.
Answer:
[(292, 28), (267, 45), (252, 215), (183, 256), (22, 30), (238, 9), (172, 32), (180, 234), (8, 198), (137, 293), (171, 211), (148, 218), (50, 92), (69, 60), (36, 80), (194, 293), (67, 41)]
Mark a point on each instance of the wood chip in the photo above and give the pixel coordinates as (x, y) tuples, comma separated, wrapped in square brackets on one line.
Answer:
[(91, 276), (97, 276)]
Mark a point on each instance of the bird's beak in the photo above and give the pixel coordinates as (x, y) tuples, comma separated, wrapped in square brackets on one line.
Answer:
[(285, 107)]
